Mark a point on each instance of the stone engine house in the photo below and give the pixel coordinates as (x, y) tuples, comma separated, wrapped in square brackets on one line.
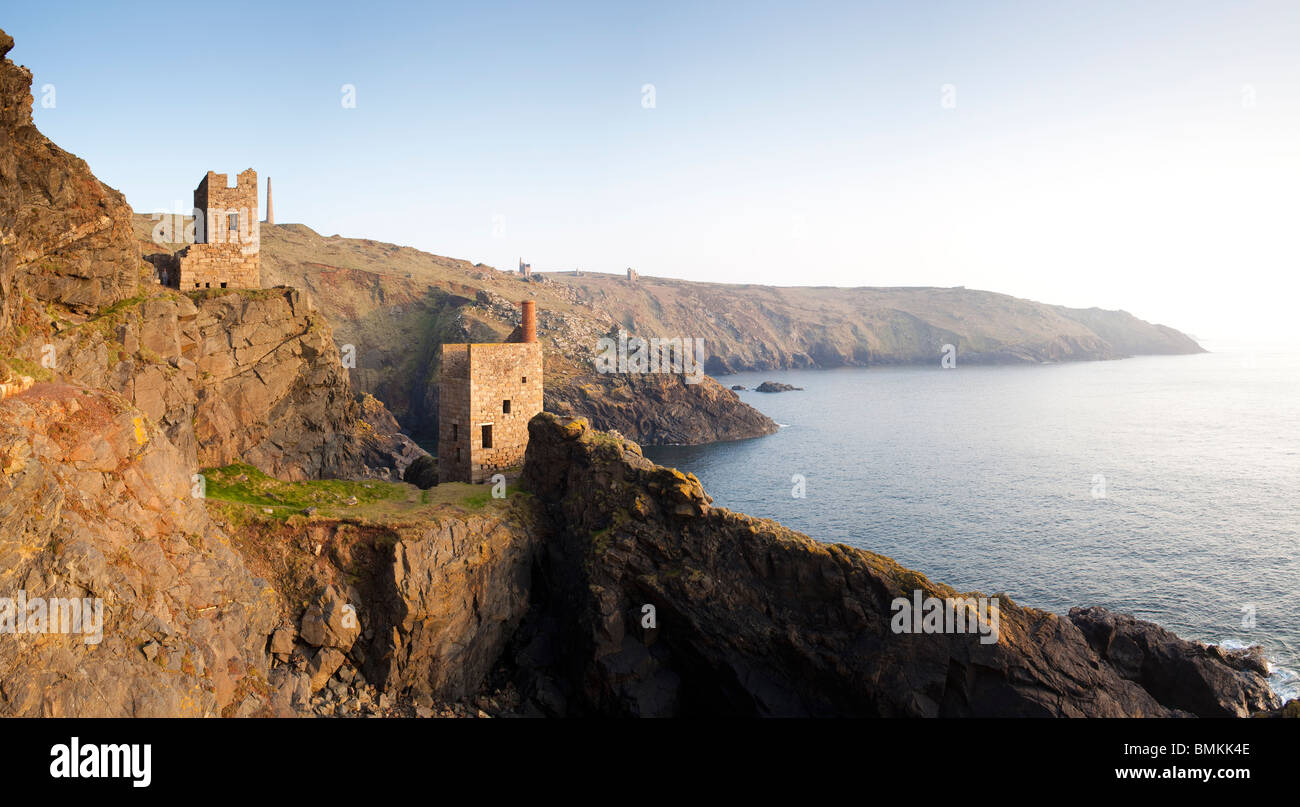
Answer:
[(486, 397), (228, 245)]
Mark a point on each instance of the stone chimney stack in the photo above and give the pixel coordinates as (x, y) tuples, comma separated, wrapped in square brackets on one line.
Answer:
[(270, 211), (529, 324)]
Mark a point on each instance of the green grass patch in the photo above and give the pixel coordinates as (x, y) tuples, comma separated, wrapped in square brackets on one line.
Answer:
[(25, 367), (244, 484), (121, 305), (482, 494), (240, 492)]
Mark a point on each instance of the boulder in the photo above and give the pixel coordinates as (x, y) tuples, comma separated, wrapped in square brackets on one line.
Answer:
[(331, 621), (1204, 680)]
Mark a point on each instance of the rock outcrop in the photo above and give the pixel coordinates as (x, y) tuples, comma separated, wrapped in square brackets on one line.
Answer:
[(1203, 679), (64, 235), (95, 502), (751, 618), (272, 390), (230, 375), (449, 602), (661, 409)]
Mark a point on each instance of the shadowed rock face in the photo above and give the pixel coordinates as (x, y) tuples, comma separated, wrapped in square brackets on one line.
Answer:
[(448, 603), (433, 600), (1205, 680), (755, 619)]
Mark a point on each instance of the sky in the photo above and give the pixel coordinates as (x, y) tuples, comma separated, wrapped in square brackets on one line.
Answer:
[(1141, 156)]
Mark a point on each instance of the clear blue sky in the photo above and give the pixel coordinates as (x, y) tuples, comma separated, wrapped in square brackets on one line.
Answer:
[(1128, 155)]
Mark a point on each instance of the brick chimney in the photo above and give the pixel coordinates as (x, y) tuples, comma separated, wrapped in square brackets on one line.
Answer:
[(529, 324), (270, 211)]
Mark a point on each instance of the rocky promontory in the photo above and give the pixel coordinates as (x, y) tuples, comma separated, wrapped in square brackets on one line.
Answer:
[(752, 618)]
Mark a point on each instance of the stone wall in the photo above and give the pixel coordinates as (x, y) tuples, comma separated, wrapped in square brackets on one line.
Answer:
[(218, 266), (453, 414), (227, 254), (493, 374)]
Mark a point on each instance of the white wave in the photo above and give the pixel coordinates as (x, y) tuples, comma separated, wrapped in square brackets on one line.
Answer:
[(1284, 682)]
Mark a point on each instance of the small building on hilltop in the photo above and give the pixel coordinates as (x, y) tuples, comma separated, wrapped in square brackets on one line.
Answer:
[(487, 395), (227, 243)]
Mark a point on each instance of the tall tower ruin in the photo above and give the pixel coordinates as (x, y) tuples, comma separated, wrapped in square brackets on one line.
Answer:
[(228, 242)]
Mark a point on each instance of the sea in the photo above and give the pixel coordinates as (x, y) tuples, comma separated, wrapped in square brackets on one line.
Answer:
[(1167, 487)]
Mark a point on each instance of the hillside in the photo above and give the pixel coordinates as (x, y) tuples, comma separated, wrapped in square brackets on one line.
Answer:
[(769, 327), (397, 304)]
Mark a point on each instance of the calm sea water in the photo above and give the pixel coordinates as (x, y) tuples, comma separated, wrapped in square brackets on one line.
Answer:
[(1165, 487)]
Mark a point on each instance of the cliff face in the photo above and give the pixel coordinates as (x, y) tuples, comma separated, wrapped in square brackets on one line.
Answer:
[(436, 594), (272, 390), (251, 374), (65, 235), (240, 374), (769, 327), (754, 619), (95, 502)]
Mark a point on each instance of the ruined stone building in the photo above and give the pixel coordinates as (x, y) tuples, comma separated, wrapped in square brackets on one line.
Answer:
[(487, 395), (631, 275), (525, 269), (227, 239)]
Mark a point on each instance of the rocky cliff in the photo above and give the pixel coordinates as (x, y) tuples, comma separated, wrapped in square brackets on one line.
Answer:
[(112, 392), (272, 390), (66, 236), (251, 373), (95, 502), (769, 327), (751, 618), (409, 598)]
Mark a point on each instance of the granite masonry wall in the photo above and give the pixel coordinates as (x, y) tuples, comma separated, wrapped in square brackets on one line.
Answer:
[(494, 388), (227, 254)]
